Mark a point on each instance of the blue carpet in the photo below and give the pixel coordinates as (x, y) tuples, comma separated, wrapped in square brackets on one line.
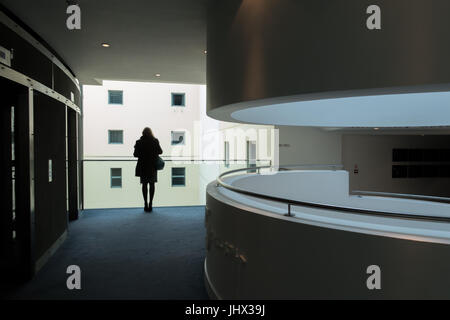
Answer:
[(128, 254)]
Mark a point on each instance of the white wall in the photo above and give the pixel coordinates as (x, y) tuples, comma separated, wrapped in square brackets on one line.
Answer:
[(149, 104), (373, 156), (304, 145), (238, 134), (145, 104)]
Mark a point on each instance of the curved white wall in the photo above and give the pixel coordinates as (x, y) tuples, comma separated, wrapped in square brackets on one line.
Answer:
[(331, 188), (255, 252)]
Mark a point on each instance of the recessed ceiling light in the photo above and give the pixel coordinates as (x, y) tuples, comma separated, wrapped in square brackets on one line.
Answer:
[(158, 75), (106, 45)]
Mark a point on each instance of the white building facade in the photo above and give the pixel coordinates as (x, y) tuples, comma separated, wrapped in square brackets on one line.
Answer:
[(195, 147)]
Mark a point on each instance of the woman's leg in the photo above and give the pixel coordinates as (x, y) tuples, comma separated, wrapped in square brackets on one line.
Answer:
[(144, 193), (152, 193)]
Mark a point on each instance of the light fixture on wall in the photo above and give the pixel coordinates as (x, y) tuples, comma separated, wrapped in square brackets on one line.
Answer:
[(376, 128), (205, 51), (105, 45), (158, 75)]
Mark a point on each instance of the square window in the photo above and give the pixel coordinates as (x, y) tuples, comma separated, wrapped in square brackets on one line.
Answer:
[(430, 171), (415, 155), (445, 155), (115, 136), (116, 177), (177, 138), (115, 96), (399, 155), (431, 155), (444, 171), (415, 171), (399, 172), (178, 177), (178, 99)]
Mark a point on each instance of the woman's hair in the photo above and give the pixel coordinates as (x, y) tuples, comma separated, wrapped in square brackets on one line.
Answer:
[(147, 132)]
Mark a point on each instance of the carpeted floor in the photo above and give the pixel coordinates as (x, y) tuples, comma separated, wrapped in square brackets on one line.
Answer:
[(128, 254)]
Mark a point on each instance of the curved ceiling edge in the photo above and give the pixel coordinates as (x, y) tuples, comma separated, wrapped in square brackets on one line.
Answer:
[(262, 52), (357, 108)]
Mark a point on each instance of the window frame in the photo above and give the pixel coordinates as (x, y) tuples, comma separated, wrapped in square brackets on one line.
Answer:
[(183, 143), (109, 136), (420, 163), (115, 177), (178, 105), (109, 98), (178, 176)]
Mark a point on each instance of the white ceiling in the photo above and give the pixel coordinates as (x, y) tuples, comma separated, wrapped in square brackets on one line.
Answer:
[(169, 37), (146, 37)]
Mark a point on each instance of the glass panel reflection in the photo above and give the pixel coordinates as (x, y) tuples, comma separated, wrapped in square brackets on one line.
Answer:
[(180, 183)]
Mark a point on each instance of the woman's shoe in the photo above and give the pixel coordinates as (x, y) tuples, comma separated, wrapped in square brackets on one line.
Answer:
[(146, 208)]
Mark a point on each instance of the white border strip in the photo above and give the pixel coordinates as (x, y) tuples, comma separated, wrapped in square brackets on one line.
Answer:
[(20, 78), (7, 21)]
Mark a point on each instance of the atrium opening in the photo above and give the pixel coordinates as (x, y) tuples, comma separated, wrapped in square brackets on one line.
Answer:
[(305, 149)]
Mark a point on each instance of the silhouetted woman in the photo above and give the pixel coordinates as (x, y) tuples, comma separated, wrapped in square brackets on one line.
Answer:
[(147, 149)]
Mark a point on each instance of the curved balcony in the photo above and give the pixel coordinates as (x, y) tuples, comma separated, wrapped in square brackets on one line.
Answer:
[(295, 233)]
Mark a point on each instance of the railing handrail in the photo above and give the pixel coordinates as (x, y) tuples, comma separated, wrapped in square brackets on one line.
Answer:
[(314, 205), (170, 160), (401, 196), (283, 168)]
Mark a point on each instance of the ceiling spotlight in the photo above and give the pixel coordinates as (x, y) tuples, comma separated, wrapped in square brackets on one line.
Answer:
[(106, 45), (158, 75)]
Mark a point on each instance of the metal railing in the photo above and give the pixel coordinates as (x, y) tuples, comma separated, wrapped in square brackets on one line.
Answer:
[(400, 195), (314, 205), (115, 159)]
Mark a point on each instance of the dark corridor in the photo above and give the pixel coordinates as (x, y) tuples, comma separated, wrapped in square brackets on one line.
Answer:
[(127, 254)]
